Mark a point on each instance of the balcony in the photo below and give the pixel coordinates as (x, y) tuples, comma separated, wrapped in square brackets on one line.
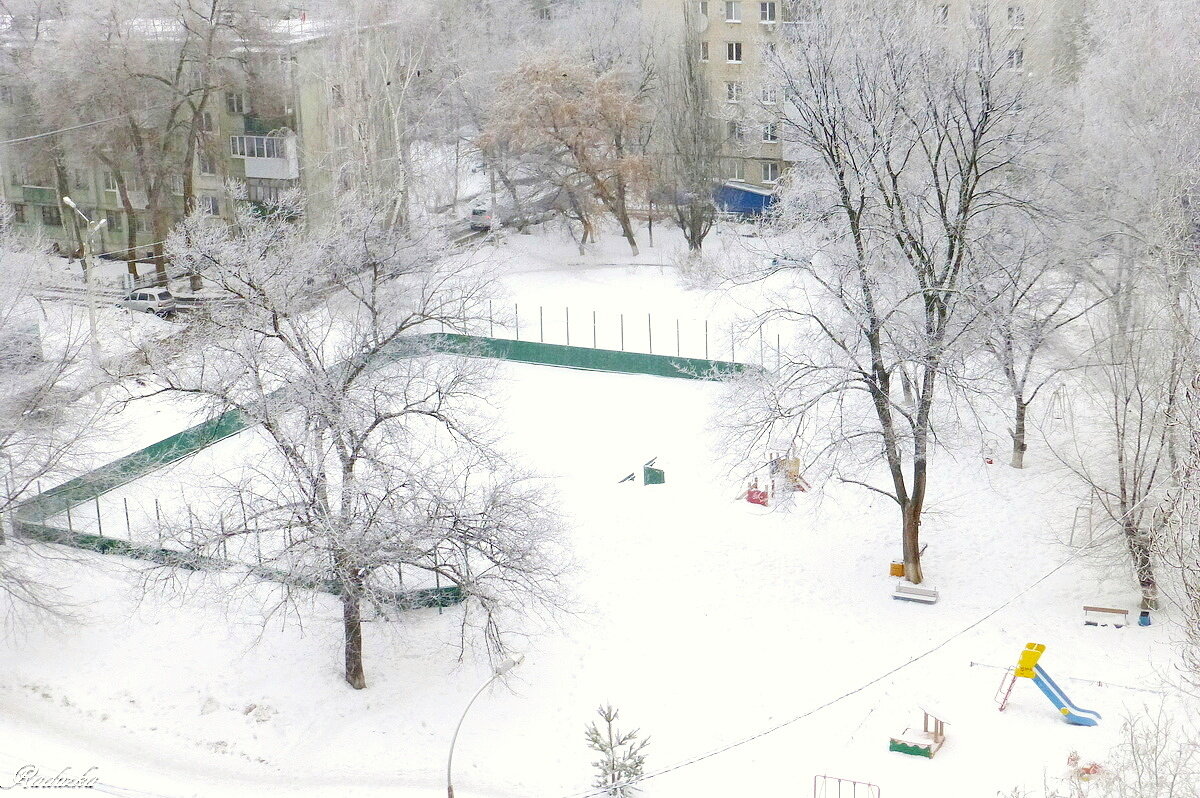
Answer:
[(265, 125), (39, 195), (272, 157)]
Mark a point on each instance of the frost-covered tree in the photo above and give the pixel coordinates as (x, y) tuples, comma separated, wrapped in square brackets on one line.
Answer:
[(161, 68), (622, 755), (45, 418), (378, 468), (909, 139)]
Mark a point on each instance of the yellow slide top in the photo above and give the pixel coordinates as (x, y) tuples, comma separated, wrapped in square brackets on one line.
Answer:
[(1029, 659)]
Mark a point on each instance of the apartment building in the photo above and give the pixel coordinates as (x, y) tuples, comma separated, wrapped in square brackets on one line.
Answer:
[(246, 134), (735, 38)]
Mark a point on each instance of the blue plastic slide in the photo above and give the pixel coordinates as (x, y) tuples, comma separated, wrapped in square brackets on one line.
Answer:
[(1072, 713)]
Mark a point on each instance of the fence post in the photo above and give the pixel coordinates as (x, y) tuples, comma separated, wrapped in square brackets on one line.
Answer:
[(517, 320), (491, 321), (706, 339), (541, 324), (99, 523), (622, 332), (128, 530), (732, 345), (678, 350), (778, 353), (593, 329), (650, 333), (70, 526), (568, 326)]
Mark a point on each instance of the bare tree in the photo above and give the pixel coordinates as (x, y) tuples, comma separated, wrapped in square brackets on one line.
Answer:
[(690, 137), (910, 139), (585, 125), (42, 423), (378, 461), (161, 68), (1034, 291)]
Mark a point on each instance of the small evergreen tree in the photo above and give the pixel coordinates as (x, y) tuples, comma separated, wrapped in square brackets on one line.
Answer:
[(622, 756)]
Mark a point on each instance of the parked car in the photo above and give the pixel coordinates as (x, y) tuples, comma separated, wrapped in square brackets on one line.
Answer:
[(149, 300), (481, 219)]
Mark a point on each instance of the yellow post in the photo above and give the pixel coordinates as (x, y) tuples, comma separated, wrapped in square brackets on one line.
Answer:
[(1029, 659)]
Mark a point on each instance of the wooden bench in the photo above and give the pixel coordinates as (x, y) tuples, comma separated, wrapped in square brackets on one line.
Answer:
[(907, 592), (1089, 620)]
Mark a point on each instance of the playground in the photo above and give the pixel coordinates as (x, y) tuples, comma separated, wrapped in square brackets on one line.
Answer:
[(758, 643)]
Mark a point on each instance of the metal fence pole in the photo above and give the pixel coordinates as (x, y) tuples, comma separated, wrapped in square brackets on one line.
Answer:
[(99, 523), (541, 325), (706, 339), (678, 350), (568, 326), (650, 333), (491, 321), (517, 320), (622, 332), (594, 329), (70, 526), (128, 529)]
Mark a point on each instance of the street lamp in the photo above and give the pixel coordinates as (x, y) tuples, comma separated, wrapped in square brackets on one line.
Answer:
[(501, 669), (92, 229)]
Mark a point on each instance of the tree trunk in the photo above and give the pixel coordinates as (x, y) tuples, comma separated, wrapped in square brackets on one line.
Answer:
[(627, 231), (1138, 542), (911, 537), (352, 627), (1018, 436)]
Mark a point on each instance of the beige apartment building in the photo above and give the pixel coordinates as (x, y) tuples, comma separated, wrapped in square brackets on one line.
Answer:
[(735, 38)]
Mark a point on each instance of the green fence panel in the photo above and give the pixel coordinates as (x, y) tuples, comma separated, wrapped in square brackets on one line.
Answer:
[(581, 357)]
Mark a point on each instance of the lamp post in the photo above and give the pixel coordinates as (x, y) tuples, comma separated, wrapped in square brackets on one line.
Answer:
[(501, 669), (92, 229)]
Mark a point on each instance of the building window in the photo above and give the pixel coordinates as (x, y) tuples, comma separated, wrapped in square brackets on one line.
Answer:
[(336, 97), (1015, 59), (768, 51), (110, 181), (733, 11), (209, 204), (1016, 17), (235, 102), (737, 169), (733, 92), (770, 171), (771, 132), (766, 13), (114, 221), (18, 212), (941, 15), (737, 131), (703, 51), (733, 52), (704, 8), (50, 216), (544, 13), (79, 179), (206, 121), (769, 95), (265, 191), (205, 161), (141, 223), (256, 147), (6, 95)]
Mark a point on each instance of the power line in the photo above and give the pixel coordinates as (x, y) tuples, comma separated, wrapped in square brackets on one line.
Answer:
[(771, 730), (81, 126)]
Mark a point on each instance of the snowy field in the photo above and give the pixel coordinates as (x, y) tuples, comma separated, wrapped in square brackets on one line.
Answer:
[(706, 620)]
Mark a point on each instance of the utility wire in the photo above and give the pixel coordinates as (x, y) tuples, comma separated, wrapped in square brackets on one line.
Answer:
[(771, 730), (81, 126)]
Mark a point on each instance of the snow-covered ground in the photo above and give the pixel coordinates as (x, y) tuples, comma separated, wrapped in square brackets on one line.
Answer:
[(705, 619)]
